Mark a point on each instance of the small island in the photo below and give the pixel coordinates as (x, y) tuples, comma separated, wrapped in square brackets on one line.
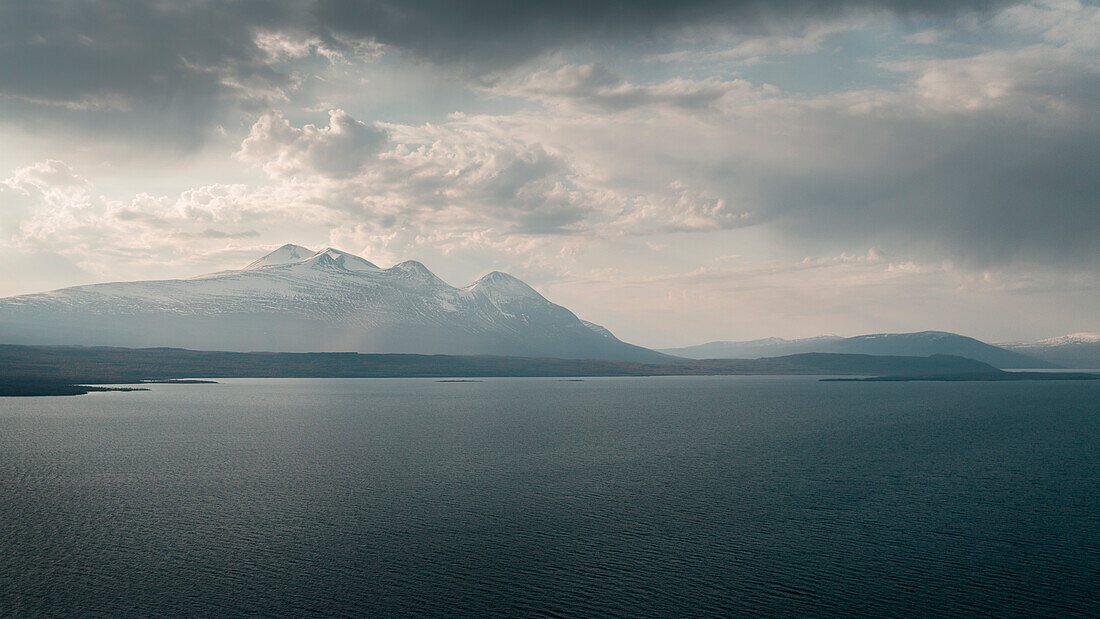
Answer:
[(31, 388)]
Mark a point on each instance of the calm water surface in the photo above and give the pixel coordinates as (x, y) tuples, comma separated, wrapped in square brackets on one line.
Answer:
[(527, 497)]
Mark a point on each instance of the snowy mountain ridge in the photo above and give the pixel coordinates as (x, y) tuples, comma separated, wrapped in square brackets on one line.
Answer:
[(1076, 350), (1084, 337), (294, 299)]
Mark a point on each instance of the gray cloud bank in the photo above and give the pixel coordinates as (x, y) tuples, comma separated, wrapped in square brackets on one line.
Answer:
[(495, 33), (146, 66)]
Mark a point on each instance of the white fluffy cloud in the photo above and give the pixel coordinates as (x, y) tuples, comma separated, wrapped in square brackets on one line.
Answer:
[(1036, 80), (53, 180), (482, 175), (340, 149), (49, 209)]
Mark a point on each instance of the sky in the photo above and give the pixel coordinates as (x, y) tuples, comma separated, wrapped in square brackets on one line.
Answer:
[(678, 172)]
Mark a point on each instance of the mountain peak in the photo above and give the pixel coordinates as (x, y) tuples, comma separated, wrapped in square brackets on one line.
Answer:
[(321, 259), (411, 269), (348, 261), (501, 283), (329, 257), (284, 255), (410, 266)]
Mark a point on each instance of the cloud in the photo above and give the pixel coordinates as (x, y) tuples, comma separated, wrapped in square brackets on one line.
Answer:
[(211, 233), (471, 175), (482, 177), (782, 39), (108, 58), (979, 158), (131, 68), (1033, 80), (465, 174), (594, 87), (47, 177), (284, 45), (1060, 22), (48, 209), (338, 150), (44, 196), (494, 34), (684, 209), (984, 158)]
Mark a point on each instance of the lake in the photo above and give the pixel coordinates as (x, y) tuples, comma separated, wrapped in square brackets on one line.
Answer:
[(669, 496)]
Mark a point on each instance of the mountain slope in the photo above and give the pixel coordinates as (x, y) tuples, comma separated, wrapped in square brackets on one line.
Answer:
[(297, 300), (919, 344), (1076, 350)]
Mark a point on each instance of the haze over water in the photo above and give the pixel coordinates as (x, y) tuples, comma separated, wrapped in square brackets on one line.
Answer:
[(624, 496)]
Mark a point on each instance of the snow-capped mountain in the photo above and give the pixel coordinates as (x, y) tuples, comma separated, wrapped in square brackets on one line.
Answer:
[(1076, 350), (919, 344), (295, 300), (1072, 339)]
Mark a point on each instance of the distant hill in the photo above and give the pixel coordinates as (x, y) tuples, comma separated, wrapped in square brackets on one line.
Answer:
[(298, 300), (754, 349), (919, 344), (76, 364), (1076, 350), (74, 370)]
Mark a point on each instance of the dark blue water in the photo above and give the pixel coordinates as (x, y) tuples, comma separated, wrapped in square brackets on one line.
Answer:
[(637, 496)]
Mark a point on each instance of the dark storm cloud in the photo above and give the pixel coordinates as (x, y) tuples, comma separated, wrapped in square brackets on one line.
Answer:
[(177, 61), (60, 51), (1004, 194), (486, 34), (1010, 196), (156, 69)]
